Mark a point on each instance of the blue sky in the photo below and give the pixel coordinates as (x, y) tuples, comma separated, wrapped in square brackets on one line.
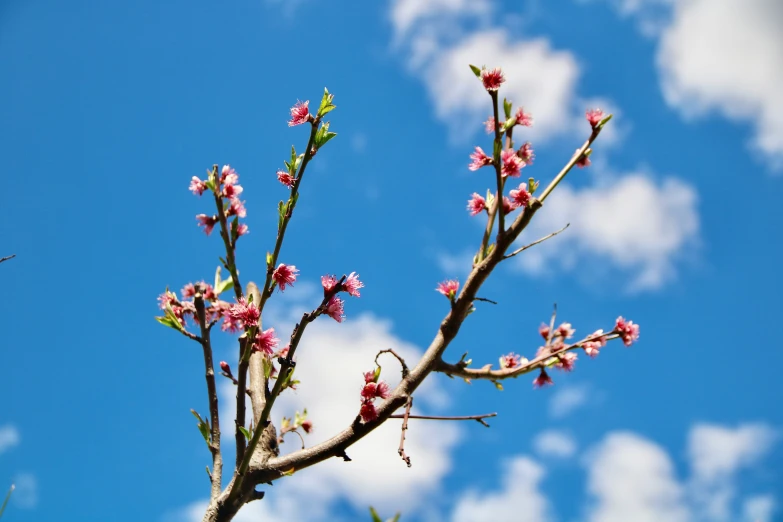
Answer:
[(110, 109)]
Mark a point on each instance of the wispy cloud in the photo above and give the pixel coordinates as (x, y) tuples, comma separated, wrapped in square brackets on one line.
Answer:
[(9, 437)]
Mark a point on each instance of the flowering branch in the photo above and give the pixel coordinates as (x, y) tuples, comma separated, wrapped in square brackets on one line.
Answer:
[(258, 457)]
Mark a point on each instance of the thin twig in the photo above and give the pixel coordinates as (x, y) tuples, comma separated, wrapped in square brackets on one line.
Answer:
[(6, 258), (282, 437), (405, 418), (551, 326), (534, 243), (478, 418), (402, 361), (485, 300)]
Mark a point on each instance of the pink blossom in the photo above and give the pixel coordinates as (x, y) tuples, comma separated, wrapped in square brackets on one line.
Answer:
[(544, 330), (542, 380), (328, 282), (565, 331), (512, 164), (476, 204), (583, 161), (283, 352), (524, 118), (352, 285), (368, 412), (307, 425), (448, 288), (285, 275), (382, 390), (596, 342), (480, 159), (628, 331), (526, 153), (242, 229), (225, 367), (236, 208), (565, 361), (285, 178), (520, 196), (188, 291), (510, 360), (197, 186), (299, 113), (228, 176), (489, 125), (245, 311), (167, 298), (232, 191), (368, 392), (369, 377), (594, 117), (266, 342), (492, 79), (508, 205), (334, 309), (208, 222)]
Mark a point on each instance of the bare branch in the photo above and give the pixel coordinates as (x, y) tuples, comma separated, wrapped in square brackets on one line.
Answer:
[(405, 418), (402, 361), (6, 258), (479, 418), (534, 243), (217, 458)]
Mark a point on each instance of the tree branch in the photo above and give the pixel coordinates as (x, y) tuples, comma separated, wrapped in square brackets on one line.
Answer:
[(6, 258), (405, 417), (478, 418)]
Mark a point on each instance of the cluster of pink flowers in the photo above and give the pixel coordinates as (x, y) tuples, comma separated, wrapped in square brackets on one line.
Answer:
[(335, 306), (228, 188), (510, 360), (628, 331), (373, 389), (215, 308)]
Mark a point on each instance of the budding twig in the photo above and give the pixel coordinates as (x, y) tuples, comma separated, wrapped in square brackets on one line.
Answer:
[(534, 243)]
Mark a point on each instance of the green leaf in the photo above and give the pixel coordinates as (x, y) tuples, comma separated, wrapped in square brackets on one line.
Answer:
[(267, 364), (226, 284), (373, 513), (507, 108), (210, 184), (532, 185), (396, 518), (496, 150), (604, 121), (508, 124), (476, 71), (217, 279), (377, 373), (293, 155), (498, 385), (326, 104), (244, 432), (269, 259)]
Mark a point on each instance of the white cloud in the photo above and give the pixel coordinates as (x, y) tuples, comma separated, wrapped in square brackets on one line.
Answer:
[(720, 57), (9, 437), (330, 363), (716, 454), (519, 500), (405, 14), (567, 399), (632, 478), (636, 223), (554, 443), (759, 508), (25, 495)]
